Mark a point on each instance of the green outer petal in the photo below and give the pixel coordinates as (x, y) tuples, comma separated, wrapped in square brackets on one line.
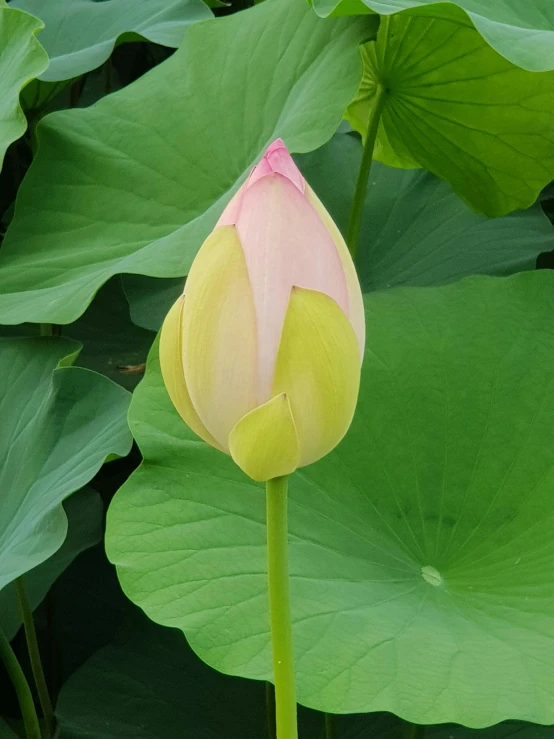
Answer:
[(264, 443), (171, 365), (318, 367)]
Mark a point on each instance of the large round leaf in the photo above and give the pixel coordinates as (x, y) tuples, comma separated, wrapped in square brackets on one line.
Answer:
[(149, 684), (522, 31), (84, 513), (58, 426), (80, 35), (456, 107), (150, 299), (112, 344), (415, 231), (136, 182), (422, 555), (22, 59), (385, 726)]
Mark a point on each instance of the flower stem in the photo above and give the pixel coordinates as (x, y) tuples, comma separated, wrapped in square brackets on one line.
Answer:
[(279, 608), (357, 210), (34, 656), (22, 689)]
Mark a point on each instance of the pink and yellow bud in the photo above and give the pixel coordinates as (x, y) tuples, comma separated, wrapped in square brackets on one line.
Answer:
[(261, 354)]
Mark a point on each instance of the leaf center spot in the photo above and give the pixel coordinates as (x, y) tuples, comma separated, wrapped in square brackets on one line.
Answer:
[(431, 575)]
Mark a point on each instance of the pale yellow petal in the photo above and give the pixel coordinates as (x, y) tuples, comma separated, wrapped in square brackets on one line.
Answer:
[(318, 367), (264, 443), (219, 334), (356, 312), (172, 372)]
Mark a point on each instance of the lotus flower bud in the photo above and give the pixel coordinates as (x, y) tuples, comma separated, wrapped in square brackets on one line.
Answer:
[(261, 355)]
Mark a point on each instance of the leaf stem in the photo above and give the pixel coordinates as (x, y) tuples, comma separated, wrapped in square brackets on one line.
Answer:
[(46, 329), (34, 656), (357, 210), (279, 608), (329, 726), (22, 689)]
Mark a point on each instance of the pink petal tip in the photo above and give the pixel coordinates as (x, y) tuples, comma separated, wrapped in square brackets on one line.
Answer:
[(277, 159)]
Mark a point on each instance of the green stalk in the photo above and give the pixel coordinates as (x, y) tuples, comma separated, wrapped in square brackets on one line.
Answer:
[(329, 732), (357, 210), (22, 689), (34, 656), (279, 608), (46, 329)]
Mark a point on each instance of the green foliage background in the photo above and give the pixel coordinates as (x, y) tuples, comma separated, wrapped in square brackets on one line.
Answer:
[(422, 555)]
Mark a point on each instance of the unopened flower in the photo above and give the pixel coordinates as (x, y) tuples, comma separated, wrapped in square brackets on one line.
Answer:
[(261, 354)]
